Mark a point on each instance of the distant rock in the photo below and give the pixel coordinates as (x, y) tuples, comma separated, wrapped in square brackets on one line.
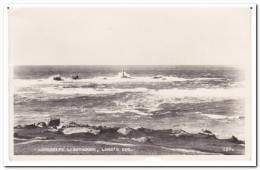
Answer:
[(75, 77), (207, 132), (57, 78), (124, 131), (54, 122)]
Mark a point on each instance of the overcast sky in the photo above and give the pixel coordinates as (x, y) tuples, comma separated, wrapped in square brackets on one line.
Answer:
[(129, 36)]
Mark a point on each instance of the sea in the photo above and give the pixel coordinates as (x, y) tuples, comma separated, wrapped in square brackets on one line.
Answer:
[(191, 98)]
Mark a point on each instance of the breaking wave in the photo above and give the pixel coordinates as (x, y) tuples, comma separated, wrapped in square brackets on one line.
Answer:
[(88, 91), (104, 80), (201, 93), (217, 117)]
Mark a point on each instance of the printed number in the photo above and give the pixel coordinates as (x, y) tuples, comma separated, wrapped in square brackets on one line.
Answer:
[(227, 149)]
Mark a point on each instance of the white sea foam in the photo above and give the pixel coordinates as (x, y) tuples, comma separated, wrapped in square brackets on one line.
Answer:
[(88, 91), (109, 111), (151, 98), (201, 93), (211, 116), (123, 110), (21, 83), (118, 79), (98, 80)]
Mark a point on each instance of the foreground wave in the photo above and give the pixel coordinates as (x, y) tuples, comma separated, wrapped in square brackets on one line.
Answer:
[(55, 138)]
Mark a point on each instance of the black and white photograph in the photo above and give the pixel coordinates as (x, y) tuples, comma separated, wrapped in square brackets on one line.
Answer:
[(130, 81)]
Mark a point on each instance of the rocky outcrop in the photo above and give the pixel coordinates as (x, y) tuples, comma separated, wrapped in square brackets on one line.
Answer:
[(234, 139), (30, 126), (139, 134), (57, 78), (139, 137), (54, 122), (75, 77)]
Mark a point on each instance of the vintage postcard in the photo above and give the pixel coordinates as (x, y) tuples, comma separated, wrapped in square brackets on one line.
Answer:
[(135, 81)]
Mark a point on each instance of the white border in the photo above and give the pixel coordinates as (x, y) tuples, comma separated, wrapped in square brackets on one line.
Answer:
[(150, 161)]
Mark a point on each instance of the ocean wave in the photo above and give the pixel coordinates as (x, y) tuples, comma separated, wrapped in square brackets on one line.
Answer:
[(201, 93), (89, 91), (22, 83), (122, 111), (105, 80), (139, 99), (163, 93)]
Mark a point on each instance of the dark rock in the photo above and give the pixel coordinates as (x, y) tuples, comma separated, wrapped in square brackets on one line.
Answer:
[(57, 78), (207, 132), (18, 127), (75, 77), (31, 126), (104, 129), (234, 139), (70, 86), (54, 122), (41, 124)]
